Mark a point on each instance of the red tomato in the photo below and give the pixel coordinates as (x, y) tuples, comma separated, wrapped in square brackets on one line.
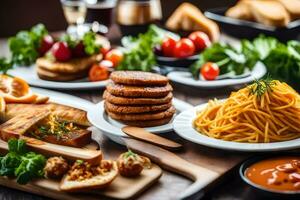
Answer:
[(78, 50), (184, 48), (104, 50), (210, 71), (100, 72), (200, 40), (61, 51), (115, 56), (168, 46), (46, 44)]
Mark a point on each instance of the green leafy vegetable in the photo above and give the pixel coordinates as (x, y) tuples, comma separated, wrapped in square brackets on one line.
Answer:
[(261, 86), (20, 163), (225, 56), (25, 44), (5, 65), (90, 45), (139, 50)]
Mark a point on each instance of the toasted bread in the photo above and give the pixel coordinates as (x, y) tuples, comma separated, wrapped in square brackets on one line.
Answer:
[(18, 125), (65, 113), (73, 66), (240, 11), (54, 76), (188, 17), (292, 6), (96, 182), (269, 12)]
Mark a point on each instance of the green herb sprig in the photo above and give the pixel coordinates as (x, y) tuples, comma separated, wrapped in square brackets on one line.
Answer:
[(260, 87)]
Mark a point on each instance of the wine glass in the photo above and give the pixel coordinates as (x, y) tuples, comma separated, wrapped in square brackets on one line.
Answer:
[(75, 13)]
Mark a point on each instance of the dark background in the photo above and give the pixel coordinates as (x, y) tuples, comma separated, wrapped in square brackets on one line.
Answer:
[(16, 15)]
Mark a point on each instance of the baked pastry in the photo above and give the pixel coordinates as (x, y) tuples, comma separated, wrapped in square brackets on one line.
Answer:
[(292, 6), (188, 17), (240, 11)]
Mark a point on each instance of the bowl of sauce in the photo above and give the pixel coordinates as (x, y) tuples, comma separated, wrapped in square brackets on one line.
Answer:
[(278, 176)]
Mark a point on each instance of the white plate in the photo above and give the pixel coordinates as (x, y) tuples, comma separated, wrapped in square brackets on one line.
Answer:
[(112, 128), (186, 78), (30, 76), (182, 125), (65, 99)]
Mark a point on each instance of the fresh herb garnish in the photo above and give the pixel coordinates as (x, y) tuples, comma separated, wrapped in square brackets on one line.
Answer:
[(80, 162), (21, 163), (260, 87), (90, 45), (24, 45), (129, 153)]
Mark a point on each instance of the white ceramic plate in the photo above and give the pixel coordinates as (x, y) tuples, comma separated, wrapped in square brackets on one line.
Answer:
[(30, 76), (186, 78), (112, 128), (65, 99), (182, 125)]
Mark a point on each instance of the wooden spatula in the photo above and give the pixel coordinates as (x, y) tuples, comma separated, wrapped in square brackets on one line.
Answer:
[(172, 162), (144, 135)]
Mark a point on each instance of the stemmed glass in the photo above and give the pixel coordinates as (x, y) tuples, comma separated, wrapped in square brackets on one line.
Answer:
[(75, 13)]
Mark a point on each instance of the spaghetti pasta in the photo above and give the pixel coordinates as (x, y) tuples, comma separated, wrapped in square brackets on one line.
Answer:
[(266, 111)]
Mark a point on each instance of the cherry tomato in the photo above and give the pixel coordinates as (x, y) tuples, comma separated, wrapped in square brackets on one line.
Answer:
[(168, 46), (115, 56), (200, 40), (61, 51), (100, 72), (78, 50), (104, 50), (184, 48), (210, 71), (46, 44)]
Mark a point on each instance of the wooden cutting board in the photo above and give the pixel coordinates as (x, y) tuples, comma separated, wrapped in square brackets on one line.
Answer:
[(121, 187)]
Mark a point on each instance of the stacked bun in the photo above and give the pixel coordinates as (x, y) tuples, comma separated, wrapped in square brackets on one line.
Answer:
[(140, 99)]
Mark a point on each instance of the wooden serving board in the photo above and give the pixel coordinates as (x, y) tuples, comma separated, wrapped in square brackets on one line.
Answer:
[(120, 188)]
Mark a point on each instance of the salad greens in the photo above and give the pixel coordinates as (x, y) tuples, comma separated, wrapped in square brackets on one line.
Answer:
[(88, 40), (225, 56), (21, 163), (282, 60), (5, 65), (139, 53), (24, 45)]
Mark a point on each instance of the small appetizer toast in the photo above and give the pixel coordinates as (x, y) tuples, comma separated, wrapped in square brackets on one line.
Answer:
[(83, 176), (131, 164)]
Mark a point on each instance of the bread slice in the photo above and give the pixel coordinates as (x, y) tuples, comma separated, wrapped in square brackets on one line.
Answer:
[(54, 76), (292, 6), (269, 12), (73, 66), (240, 11), (188, 17), (95, 182)]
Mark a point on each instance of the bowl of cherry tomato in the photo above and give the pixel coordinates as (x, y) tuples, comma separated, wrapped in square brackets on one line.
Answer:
[(182, 52)]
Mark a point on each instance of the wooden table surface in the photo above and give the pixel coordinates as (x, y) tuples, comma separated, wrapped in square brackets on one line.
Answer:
[(170, 185)]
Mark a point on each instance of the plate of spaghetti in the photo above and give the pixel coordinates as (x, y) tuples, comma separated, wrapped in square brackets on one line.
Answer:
[(263, 116)]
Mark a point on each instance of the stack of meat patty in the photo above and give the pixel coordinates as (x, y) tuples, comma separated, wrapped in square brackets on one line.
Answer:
[(140, 99)]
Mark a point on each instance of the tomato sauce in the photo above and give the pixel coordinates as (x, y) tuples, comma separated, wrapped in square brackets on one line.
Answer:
[(280, 173)]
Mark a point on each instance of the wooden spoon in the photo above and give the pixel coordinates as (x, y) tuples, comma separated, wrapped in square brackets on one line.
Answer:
[(144, 135)]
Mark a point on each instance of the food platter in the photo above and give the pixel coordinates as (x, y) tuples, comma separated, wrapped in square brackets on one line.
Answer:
[(183, 126), (30, 76), (186, 78), (112, 128)]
